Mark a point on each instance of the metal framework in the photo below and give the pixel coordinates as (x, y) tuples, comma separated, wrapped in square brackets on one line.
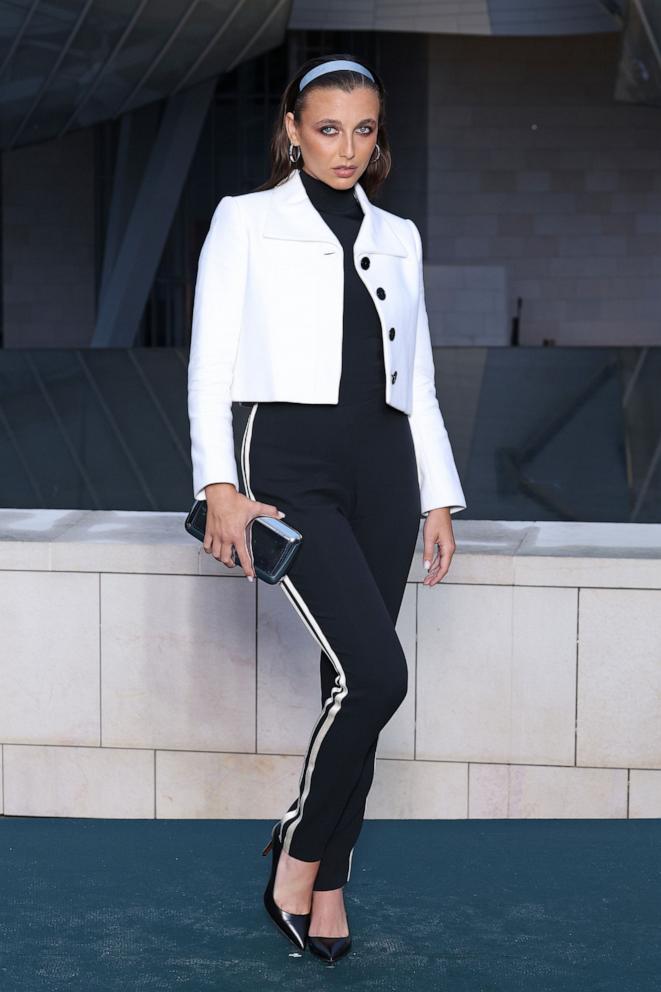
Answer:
[(86, 83)]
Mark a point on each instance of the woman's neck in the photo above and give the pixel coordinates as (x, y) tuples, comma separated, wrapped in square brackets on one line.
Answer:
[(329, 199)]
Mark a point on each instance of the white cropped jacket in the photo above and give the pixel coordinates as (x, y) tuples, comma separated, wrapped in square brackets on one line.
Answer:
[(258, 336)]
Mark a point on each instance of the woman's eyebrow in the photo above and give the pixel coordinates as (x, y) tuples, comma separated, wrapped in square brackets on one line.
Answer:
[(331, 120)]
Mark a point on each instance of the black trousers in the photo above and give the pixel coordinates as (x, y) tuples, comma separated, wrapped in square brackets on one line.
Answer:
[(345, 475)]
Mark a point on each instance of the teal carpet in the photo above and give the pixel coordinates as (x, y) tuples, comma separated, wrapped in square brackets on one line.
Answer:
[(467, 906)]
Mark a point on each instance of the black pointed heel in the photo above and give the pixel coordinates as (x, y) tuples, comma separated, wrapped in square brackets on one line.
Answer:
[(329, 948), (294, 925)]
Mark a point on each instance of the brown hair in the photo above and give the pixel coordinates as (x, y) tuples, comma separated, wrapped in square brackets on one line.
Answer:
[(294, 101)]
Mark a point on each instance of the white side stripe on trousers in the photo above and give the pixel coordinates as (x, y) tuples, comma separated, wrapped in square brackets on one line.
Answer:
[(339, 691)]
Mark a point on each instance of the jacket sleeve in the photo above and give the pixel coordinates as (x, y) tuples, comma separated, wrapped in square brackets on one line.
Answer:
[(216, 324), (437, 472)]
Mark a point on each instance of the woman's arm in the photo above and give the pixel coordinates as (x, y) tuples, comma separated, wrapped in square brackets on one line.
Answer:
[(439, 481), (217, 312)]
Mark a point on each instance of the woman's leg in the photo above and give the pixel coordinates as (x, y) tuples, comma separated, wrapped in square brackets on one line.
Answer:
[(386, 522), (331, 586), (333, 590)]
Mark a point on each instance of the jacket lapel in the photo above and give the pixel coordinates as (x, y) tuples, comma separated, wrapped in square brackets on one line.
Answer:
[(291, 215)]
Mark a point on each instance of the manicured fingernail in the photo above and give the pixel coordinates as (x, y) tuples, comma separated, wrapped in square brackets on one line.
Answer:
[(427, 565), (249, 578), (280, 513)]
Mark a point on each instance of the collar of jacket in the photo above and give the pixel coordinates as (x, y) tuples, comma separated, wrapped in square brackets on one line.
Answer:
[(292, 215)]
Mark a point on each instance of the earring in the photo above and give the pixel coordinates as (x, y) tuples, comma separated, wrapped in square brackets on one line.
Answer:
[(291, 148), (373, 160)]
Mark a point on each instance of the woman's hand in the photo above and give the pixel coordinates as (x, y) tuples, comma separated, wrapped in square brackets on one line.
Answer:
[(437, 530), (228, 514)]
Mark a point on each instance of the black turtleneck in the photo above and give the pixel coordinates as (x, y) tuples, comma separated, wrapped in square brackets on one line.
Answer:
[(363, 372)]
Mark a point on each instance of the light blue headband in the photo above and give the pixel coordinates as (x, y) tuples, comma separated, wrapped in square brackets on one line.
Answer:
[(330, 66)]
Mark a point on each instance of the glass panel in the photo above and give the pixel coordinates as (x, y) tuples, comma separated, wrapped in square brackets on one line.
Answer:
[(537, 433)]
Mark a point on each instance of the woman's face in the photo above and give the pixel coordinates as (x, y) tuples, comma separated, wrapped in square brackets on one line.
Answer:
[(337, 129)]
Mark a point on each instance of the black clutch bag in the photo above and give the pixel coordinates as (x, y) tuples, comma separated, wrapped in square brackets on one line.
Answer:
[(273, 542)]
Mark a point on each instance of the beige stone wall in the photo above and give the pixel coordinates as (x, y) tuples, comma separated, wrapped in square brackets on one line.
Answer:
[(141, 678)]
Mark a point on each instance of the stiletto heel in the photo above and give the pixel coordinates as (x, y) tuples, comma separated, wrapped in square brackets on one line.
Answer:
[(293, 925)]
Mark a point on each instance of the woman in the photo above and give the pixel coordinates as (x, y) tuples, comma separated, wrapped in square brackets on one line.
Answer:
[(309, 307)]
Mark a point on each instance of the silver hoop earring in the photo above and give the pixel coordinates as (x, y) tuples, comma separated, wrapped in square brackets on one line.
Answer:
[(291, 148), (373, 160)]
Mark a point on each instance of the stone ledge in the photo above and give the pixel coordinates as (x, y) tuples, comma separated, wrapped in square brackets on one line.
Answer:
[(495, 552)]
